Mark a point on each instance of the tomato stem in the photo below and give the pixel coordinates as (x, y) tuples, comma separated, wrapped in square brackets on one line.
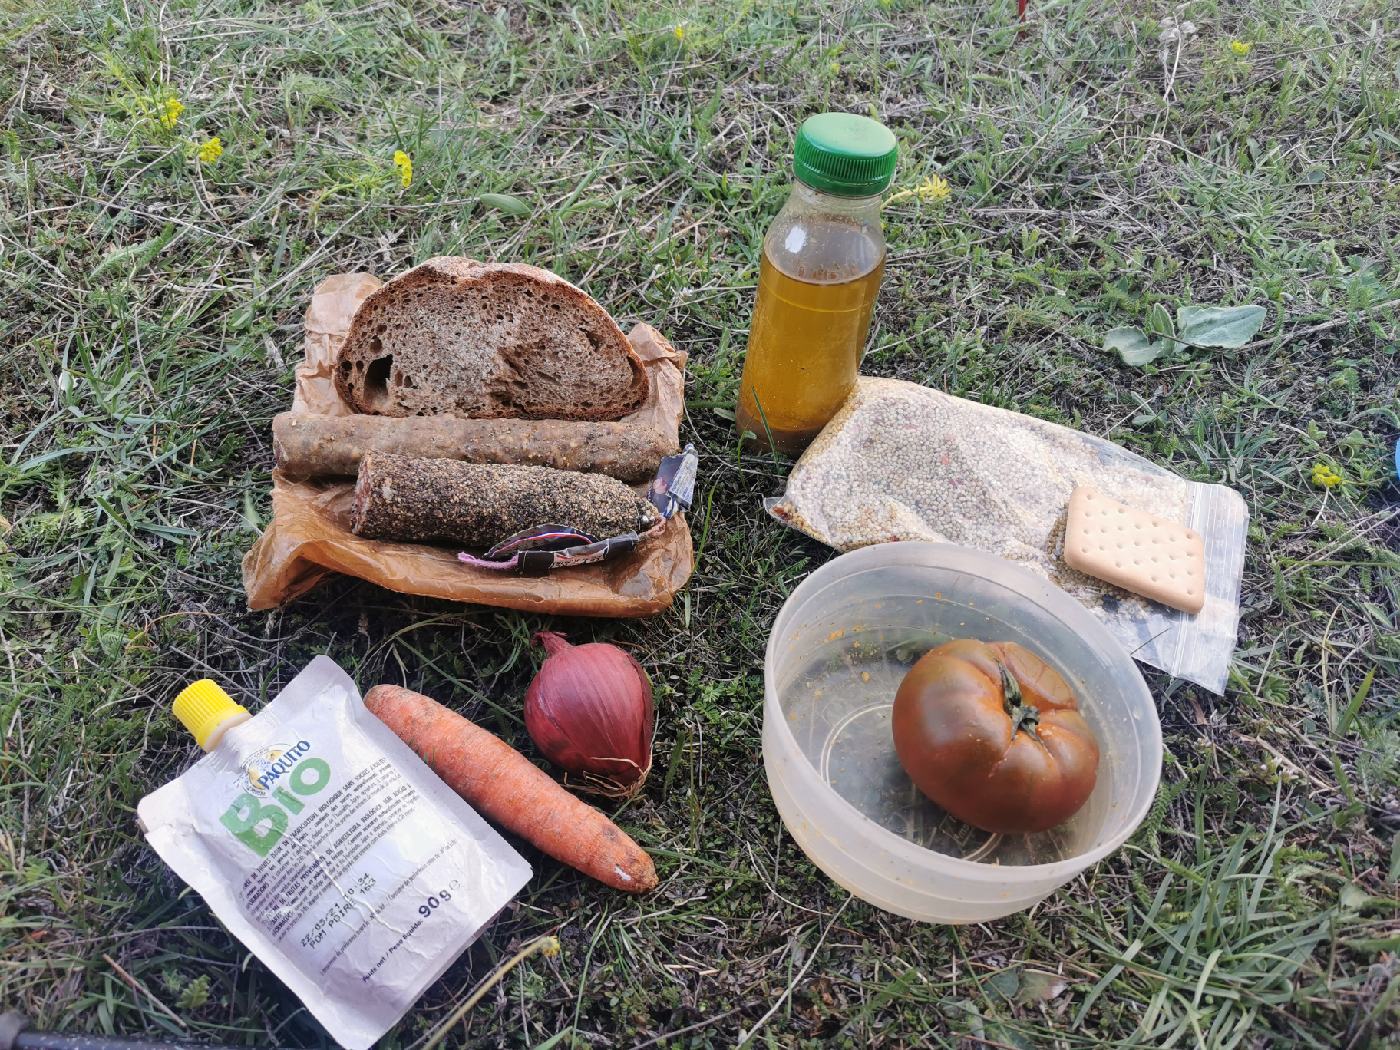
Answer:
[(1023, 715)]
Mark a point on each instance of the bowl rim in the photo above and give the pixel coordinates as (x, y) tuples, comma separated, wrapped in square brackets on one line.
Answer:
[(1031, 587)]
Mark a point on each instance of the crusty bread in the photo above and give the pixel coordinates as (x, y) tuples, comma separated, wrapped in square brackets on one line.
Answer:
[(483, 341)]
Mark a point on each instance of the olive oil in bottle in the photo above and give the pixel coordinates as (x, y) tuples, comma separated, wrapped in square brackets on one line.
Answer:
[(823, 259)]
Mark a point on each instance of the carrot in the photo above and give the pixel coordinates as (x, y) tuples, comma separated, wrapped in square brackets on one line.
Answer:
[(507, 788)]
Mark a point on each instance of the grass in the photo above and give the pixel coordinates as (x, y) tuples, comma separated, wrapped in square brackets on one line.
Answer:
[(152, 320)]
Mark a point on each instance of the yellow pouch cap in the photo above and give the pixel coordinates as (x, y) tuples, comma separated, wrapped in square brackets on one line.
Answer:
[(205, 709)]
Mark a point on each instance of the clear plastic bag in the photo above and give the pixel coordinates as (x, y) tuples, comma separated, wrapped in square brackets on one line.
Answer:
[(904, 462)]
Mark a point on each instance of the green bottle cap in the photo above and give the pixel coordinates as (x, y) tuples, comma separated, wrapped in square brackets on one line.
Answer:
[(845, 154)]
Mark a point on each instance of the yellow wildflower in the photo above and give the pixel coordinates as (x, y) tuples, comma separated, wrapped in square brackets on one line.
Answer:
[(170, 111), (934, 189), (404, 163), (210, 151), (1240, 47), (679, 32), (1324, 477)]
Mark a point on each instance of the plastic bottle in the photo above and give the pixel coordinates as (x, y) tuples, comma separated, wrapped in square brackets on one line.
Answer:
[(823, 259)]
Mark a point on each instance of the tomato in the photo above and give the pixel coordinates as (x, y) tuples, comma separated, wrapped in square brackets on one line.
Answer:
[(993, 734)]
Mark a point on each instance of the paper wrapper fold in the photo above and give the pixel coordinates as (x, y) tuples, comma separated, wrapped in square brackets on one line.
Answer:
[(309, 536)]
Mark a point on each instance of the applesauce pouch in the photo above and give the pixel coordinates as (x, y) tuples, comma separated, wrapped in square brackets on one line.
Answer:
[(329, 849)]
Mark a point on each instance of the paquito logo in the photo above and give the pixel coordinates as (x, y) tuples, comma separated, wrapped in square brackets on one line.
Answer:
[(264, 768)]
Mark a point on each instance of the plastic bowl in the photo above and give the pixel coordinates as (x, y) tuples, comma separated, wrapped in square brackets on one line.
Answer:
[(838, 650)]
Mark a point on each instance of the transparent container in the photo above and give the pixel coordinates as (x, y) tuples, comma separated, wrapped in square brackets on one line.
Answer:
[(820, 272), (837, 652)]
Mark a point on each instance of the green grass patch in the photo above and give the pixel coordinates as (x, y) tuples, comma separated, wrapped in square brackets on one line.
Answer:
[(152, 321)]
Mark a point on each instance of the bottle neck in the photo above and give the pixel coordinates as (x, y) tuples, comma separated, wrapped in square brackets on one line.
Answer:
[(216, 735), (813, 199)]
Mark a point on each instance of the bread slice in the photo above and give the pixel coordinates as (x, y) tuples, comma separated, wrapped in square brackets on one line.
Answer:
[(485, 340)]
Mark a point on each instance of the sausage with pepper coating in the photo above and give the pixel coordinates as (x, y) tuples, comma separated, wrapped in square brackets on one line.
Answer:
[(479, 504)]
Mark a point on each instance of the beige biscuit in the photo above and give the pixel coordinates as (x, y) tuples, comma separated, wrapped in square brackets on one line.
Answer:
[(1137, 551)]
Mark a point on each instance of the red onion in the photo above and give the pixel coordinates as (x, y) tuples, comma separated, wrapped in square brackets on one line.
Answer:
[(589, 710)]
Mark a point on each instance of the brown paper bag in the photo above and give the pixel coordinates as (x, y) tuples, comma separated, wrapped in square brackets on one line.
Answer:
[(309, 536)]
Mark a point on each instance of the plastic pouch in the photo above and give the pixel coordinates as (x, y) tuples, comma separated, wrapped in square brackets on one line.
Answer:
[(901, 461), (328, 848)]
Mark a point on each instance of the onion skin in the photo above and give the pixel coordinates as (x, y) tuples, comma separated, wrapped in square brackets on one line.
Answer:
[(589, 711)]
